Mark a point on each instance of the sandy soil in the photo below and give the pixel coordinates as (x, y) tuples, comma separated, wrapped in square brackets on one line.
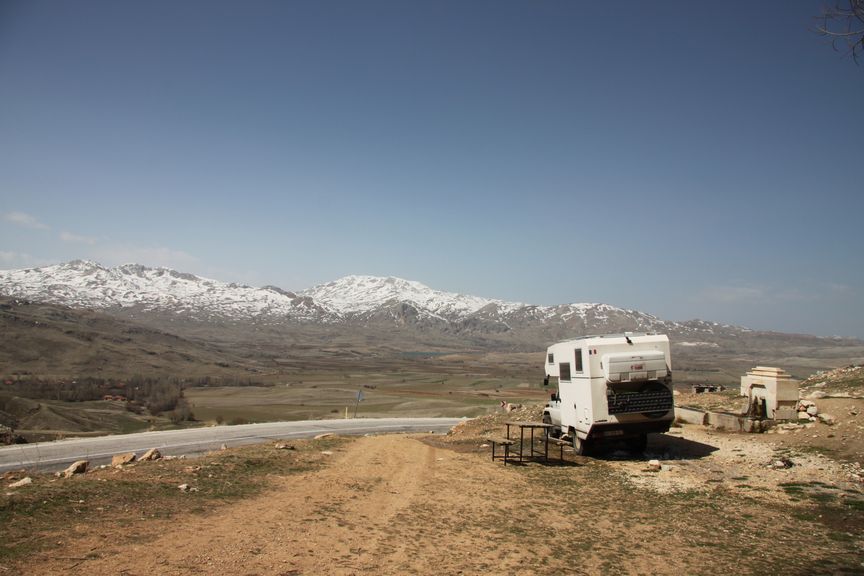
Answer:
[(439, 505)]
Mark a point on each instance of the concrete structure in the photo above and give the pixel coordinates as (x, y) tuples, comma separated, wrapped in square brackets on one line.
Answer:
[(691, 415), (733, 422), (772, 393)]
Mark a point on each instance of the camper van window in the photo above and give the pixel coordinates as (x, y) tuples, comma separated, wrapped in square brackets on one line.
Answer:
[(578, 365), (551, 359), (564, 371)]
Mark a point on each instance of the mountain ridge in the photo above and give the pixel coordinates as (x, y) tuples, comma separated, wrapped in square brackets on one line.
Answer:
[(355, 301)]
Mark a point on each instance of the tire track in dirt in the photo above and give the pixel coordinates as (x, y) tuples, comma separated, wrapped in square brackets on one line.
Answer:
[(331, 521)]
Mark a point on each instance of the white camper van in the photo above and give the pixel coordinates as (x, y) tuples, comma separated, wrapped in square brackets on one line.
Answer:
[(614, 387)]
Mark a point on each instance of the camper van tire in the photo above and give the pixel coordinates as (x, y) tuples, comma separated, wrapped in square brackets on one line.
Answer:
[(580, 446), (638, 443), (551, 432)]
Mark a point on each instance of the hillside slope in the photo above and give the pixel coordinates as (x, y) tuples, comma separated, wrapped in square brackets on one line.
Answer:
[(53, 341)]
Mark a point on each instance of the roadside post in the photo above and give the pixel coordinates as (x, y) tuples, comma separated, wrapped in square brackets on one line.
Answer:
[(357, 403)]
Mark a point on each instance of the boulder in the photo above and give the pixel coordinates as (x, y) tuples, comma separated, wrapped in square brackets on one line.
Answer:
[(803, 416), (827, 419), (79, 467), (152, 454), (20, 483), (812, 410), (283, 446), (653, 466), (123, 459)]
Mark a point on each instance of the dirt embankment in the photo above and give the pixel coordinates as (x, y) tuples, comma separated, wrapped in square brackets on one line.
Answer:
[(439, 505)]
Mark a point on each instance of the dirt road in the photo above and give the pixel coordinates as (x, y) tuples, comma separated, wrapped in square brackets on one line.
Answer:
[(400, 505)]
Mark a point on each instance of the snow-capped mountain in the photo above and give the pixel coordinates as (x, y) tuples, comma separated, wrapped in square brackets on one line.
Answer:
[(84, 284), (358, 295), (366, 301)]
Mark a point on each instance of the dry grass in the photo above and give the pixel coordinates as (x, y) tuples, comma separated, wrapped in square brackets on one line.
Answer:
[(143, 492)]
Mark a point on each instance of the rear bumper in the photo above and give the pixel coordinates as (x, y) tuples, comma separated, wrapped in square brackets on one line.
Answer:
[(615, 430)]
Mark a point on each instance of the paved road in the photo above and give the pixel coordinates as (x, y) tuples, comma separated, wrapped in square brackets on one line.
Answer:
[(48, 456)]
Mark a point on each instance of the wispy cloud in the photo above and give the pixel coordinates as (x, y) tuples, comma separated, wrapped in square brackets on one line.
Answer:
[(24, 220), (71, 238), (10, 259), (733, 294), (744, 294), (838, 289), (113, 255)]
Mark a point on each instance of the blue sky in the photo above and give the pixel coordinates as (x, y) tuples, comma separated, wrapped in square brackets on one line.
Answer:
[(691, 160)]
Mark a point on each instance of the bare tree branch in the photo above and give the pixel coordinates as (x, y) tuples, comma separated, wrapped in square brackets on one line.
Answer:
[(843, 24)]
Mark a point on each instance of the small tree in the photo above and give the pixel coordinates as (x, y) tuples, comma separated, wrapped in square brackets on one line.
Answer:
[(843, 24)]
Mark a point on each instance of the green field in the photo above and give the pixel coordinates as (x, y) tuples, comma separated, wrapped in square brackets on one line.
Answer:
[(436, 391)]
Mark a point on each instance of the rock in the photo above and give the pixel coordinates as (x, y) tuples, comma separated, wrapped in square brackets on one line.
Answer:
[(653, 466), (326, 452), (853, 412), (782, 464), (152, 454), (79, 467), (804, 404), (803, 416), (223, 447), (817, 394), (283, 446), (324, 435), (20, 483), (812, 410), (187, 488), (122, 459), (827, 419)]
